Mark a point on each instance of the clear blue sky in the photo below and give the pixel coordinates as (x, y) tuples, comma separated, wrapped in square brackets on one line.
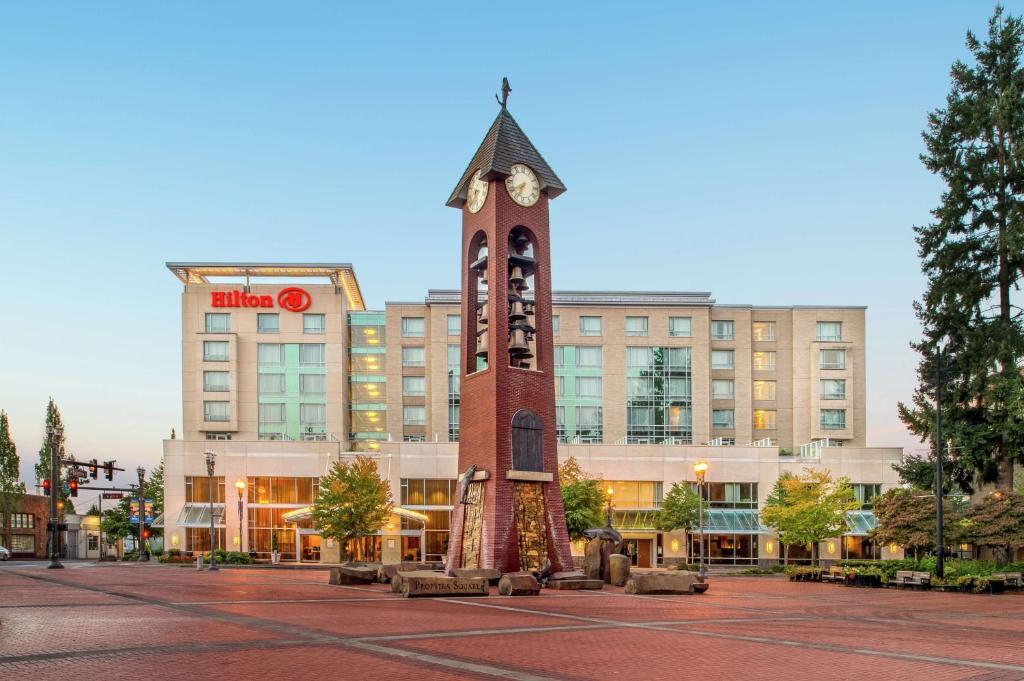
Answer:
[(766, 152)]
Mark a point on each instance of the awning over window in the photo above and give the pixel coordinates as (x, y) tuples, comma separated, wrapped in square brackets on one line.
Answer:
[(198, 515), (158, 522), (733, 521), (861, 523)]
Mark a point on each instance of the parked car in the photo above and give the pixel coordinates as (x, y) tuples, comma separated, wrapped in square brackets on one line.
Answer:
[(5, 554)]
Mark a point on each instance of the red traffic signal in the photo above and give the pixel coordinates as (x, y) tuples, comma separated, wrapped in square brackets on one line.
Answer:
[(73, 486), (108, 470), (145, 534), (46, 487)]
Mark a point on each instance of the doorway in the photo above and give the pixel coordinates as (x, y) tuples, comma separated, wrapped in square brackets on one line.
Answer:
[(639, 551), (309, 549)]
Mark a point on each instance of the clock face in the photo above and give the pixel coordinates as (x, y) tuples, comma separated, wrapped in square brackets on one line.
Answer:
[(477, 194), (523, 186)]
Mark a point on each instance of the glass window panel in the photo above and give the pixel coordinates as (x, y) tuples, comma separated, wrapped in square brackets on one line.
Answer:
[(312, 384), (282, 491), (833, 359), (588, 417), (271, 384), (555, 324), (636, 326), (272, 414), (414, 357), (764, 361), (590, 326), (679, 327), (453, 324), (311, 354), (639, 358), (588, 386), (722, 329), (833, 389), (723, 418), (414, 415), (437, 494), (215, 351), (679, 358), (764, 419), (268, 322), (313, 323), (559, 356), (216, 411), (412, 327), (270, 354), (415, 386), (722, 359), (763, 331), (679, 387), (218, 322), (764, 390), (312, 414), (215, 381), (829, 331), (589, 357), (723, 388), (833, 419)]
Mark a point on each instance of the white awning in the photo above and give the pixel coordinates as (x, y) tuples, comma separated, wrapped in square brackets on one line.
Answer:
[(198, 515), (158, 522)]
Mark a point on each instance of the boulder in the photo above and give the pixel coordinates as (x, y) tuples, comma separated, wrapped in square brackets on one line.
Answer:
[(518, 584), (607, 549), (567, 574), (353, 575), (386, 572), (619, 568), (669, 582), (576, 584), (592, 558), (420, 584), (490, 574)]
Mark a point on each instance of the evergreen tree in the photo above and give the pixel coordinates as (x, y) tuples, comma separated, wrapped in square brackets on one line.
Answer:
[(582, 498), (11, 487), (42, 467), (973, 258), (354, 502)]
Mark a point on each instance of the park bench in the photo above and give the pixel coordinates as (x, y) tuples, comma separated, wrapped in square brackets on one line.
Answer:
[(1012, 579), (912, 578), (835, 575)]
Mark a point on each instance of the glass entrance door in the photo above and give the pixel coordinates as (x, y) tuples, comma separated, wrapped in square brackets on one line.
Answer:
[(310, 548)]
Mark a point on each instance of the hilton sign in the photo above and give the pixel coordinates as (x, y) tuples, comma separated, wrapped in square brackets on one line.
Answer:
[(292, 299)]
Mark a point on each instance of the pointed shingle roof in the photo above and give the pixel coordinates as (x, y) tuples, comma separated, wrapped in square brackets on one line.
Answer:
[(505, 144)]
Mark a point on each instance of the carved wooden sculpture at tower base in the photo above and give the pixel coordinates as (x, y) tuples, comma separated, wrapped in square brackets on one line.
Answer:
[(510, 515)]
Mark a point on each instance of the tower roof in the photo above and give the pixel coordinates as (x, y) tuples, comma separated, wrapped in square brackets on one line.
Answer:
[(505, 144)]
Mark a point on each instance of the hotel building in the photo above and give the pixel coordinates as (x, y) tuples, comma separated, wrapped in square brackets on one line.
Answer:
[(281, 379)]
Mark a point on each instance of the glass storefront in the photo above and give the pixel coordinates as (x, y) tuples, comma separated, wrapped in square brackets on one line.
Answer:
[(726, 549)]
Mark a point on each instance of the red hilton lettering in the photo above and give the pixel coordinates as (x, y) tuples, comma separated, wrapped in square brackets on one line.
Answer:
[(218, 299)]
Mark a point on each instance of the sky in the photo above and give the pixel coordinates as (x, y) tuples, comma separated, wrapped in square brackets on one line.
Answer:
[(766, 152)]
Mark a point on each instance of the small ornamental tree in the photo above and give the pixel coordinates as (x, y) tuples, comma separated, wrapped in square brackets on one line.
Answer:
[(679, 510), (354, 502), (582, 498), (997, 522), (116, 523), (906, 517), (809, 508), (11, 488)]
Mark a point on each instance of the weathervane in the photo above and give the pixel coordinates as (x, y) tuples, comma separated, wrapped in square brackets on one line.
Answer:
[(505, 89)]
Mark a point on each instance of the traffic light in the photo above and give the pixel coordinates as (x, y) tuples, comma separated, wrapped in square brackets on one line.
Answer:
[(93, 469), (46, 487), (108, 469), (145, 534), (73, 487)]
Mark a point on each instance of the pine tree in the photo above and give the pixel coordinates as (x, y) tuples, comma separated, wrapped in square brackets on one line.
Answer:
[(973, 258), (42, 467), (11, 488)]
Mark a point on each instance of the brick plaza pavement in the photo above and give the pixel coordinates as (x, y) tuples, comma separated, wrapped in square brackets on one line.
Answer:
[(154, 622)]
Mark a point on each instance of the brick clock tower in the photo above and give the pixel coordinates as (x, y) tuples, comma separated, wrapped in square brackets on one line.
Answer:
[(509, 514)]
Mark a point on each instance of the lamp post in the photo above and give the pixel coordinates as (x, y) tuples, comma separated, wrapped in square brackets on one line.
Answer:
[(54, 433), (211, 460), (700, 468), (609, 493), (940, 544), (240, 486), (142, 515)]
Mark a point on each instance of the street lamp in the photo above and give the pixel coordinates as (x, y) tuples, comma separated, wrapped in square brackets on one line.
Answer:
[(240, 486), (211, 460), (609, 492), (700, 468), (142, 515), (54, 433), (940, 544)]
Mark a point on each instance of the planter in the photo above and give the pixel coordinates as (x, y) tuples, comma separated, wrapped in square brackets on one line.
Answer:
[(275, 557)]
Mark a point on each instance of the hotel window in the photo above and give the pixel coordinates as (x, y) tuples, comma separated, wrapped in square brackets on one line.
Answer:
[(658, 395), (272, 419), (764, 419), (414, 386), (215, 351), (218, 322), (414, 416), (559, 356), (312, 384), (454, 393), (268, 322), (731, 494), (833, 419), (763, 361), (723, 418), (414, 357), (559, 386), (215, 411), (722, 359), (215, 381), (723, 389), (199, 489), (679, 327), (313, 323), (829, 331), (217, 436), (589, 423), (412, 327), (590, 326), (636, 326), (722, 330), (764, 390), (271, 384), (864, 493), (833, 359), (454, 324), (269, 354), (763, 331), (833, 389), (588, 386), (636, 494), (312, 417), (589, 357), (311, 354), (555, 324)]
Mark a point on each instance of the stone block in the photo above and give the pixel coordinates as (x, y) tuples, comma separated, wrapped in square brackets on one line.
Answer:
[(592, 559), (568, 574), (576, 584), (518, 584), (620, 567), (490, 574), (418, 584), (669, 582), (353, 575)]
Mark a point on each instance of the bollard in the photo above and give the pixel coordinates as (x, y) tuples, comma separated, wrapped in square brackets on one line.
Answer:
[(199, 562)]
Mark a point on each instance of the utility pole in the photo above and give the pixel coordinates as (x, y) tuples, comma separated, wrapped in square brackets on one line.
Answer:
[(940, 544), (142, 515), (55, 433)]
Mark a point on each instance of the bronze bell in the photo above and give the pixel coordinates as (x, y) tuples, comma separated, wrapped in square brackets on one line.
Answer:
[(481, 315), (517, 314), (516, 280), (481, 343), (518, 347)]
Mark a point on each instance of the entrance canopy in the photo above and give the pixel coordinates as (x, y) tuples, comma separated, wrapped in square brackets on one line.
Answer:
[(198, 515)]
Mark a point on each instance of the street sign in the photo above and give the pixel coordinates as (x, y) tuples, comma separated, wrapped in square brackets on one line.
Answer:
[(113, 495)]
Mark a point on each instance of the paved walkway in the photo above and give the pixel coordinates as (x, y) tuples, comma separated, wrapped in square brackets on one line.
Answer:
[(152, 621)]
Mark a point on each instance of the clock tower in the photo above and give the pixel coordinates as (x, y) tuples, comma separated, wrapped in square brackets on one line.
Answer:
[(509, 514)]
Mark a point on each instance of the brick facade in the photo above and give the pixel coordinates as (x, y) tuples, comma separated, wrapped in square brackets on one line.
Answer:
[(38, 506)]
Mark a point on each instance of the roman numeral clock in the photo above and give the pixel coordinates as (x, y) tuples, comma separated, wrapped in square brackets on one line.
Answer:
[(509, 513)]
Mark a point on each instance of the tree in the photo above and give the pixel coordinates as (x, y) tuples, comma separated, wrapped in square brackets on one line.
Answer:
[(582, 498), (42, 467), (354, 501), (679, 510), (93, 510), (997, 521), (808, 508), (11, 487), (918, 471), (116, 524), (973, 258), (906, 517)]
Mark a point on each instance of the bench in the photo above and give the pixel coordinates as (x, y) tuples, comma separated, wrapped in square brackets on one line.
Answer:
[(912, 578), (835, 574), (1012, 579)]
